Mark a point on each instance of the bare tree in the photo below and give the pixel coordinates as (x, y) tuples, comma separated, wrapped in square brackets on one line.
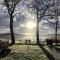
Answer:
[(44, 9), (41, 6), (11, 4), (54, 14)]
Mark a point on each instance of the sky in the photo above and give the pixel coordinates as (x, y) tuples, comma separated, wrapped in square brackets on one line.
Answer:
[(21, 20)]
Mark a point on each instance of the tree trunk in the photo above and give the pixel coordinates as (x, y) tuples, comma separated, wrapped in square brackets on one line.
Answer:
[(37, 29), (56, 31), (37, 33), (11, 30)]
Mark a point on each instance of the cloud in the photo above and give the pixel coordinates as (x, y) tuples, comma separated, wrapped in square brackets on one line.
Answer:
[(4, 30), (21, 19)]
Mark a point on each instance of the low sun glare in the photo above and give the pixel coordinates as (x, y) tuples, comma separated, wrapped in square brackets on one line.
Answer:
[(30, 25)]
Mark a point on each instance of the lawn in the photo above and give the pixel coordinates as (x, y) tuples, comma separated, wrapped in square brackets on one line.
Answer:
[(25, 52)]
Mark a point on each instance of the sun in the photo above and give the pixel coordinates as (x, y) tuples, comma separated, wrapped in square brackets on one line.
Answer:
[(31, 25)]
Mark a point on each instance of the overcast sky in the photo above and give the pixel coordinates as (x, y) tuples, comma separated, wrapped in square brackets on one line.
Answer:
[(20, 21)]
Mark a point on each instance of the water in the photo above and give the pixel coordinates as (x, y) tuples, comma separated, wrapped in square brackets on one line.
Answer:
[(21, 37)]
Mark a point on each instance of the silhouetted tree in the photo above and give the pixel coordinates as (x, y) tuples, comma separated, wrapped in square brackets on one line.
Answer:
[(54, 13), (44, 9), (41, 6), (57, 14), (11, 4)]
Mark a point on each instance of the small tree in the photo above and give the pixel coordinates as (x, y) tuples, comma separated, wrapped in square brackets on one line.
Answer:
[(11, 4)]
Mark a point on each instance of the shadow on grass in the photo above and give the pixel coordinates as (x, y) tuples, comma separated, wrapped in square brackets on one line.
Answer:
[(47, 53), (4, 52)]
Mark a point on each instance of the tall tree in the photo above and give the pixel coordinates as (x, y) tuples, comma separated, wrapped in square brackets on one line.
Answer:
[(45, 9), (57, 14), (41, 6), (11, 4), (54, 14)]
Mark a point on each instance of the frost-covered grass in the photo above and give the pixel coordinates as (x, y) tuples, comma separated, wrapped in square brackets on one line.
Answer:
[(23, 52)]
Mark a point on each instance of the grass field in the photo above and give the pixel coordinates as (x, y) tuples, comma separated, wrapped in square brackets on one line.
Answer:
[(25, 52)]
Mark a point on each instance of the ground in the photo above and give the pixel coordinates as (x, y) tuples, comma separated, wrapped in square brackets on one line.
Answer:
[(25, 52)]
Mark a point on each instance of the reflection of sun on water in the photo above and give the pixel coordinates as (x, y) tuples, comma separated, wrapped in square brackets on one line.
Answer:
[(29, 33), (29, 36)]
